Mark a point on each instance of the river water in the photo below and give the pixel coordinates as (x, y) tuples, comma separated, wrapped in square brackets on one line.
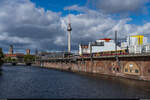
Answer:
[(36, 82)]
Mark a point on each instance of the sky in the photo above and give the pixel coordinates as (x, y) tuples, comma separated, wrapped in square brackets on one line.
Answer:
[(42, 24)]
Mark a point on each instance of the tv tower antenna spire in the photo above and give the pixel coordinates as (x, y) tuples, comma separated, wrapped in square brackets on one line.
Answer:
[(69, 29)]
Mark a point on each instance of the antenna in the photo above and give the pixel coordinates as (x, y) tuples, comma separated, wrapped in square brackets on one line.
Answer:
[(69, 17)]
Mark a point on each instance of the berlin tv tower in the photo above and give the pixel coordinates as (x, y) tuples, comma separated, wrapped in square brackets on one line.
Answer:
[(69, 29)]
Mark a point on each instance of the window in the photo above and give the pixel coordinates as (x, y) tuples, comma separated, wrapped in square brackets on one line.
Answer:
[(113, 69), (100, 43), (126, 70), (118, 69), (130, 70), (131, 65), (136, 71)]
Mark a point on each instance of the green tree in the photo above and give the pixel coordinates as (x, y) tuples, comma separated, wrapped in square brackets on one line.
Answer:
[(14, 60), (1, 58), (9, 59), (28, 59)]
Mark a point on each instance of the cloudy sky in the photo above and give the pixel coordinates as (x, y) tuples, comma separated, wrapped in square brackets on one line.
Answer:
[(42, 23)]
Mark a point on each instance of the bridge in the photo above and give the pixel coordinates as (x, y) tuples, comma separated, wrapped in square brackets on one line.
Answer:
[(16, 59)]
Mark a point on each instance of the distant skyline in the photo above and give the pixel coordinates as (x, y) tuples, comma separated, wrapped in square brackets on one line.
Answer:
[(42, 23)]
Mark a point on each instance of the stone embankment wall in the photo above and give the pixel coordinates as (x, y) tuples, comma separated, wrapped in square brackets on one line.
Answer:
[(134, 68)]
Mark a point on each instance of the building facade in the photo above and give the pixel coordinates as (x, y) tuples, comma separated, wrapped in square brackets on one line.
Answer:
[(138, 44), (11, 51), (100, 45), (28, 51)]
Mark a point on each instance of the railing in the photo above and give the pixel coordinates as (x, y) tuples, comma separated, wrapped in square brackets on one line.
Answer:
[(99, 57)]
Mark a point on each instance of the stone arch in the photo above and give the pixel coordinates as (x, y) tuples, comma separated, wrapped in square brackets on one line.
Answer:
[(131, 68), (114, 67), (146, 69)]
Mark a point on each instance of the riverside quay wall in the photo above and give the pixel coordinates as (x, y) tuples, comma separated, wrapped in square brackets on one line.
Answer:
[(128, 66)]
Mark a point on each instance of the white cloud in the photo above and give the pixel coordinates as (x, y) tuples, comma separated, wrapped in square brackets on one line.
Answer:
[(120, 6), (77, 8), (23, 24), (15, 39), (93, 25)]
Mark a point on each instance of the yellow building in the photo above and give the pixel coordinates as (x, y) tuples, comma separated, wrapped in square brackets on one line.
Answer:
[(136, 40), (139, 38)]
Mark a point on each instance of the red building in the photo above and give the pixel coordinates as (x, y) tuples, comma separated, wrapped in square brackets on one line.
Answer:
[(18, 56)]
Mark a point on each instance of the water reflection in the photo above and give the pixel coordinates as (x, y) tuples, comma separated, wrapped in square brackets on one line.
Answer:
[(32, 82)]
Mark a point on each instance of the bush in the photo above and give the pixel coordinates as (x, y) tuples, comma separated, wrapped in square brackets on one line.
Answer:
[(1, 58), (29, 58)]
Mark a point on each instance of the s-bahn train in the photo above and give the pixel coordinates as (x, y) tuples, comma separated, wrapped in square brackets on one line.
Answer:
[(106, 53)]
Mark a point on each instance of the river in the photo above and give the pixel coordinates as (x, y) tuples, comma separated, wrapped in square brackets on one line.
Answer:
[(36, 82)]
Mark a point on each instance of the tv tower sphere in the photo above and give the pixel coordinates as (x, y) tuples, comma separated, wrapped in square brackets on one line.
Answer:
[(69, 27)]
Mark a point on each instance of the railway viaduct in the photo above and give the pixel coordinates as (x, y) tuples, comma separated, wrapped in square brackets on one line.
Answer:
[(128, 66)]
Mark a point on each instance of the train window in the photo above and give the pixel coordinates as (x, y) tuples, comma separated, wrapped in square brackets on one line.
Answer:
[(126, 70), (136, 71)]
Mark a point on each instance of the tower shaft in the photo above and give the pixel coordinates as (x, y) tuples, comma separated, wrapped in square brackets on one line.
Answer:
[(69, 29), (69, 41)]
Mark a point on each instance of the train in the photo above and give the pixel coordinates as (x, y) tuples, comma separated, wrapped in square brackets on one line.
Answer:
[(106, 53)]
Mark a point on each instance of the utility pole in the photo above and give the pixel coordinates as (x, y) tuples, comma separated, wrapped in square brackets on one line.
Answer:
[(116, 41), (116, 56)]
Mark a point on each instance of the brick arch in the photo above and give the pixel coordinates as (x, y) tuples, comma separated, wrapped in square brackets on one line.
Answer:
[(114, 67), (99, 66), (131, 68), (146, 69)]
